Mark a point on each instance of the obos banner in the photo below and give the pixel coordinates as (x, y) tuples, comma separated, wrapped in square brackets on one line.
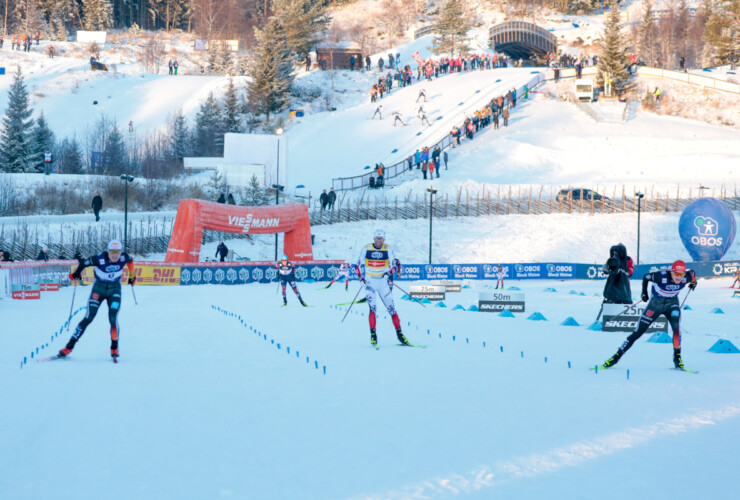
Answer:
[(707, 228)]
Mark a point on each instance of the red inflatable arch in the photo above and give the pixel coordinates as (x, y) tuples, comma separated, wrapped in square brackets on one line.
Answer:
[(193, 216)]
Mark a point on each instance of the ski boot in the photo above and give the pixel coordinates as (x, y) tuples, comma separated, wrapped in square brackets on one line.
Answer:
[(114, 349), (401, 338), (302, 303), (346, 287), (677, 361), (496, 287), (64, 352), (373, 337), (285, 302), (612, 361)]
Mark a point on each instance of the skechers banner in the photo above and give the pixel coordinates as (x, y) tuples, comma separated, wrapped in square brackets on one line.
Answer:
[(499, 301), (627, 322), (431, 292), (707, 228)]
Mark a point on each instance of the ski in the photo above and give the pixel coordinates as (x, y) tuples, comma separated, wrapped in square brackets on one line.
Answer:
[(412, 345), (686, 370), (50, 358), (600, 367), (350, 303)]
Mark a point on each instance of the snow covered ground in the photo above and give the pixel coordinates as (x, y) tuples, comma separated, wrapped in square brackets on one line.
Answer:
[(208, 405)]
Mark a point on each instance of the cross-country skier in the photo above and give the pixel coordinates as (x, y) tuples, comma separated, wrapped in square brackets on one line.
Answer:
[(500, 277), (378, 111), (380, 268), (397, 118), (286, 273), (422, 93), (108, 269), (737, 278), (424, 117), (342, 273), (666, 286)]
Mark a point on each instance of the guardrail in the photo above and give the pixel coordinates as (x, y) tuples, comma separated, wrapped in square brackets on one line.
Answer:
[(690, 78)]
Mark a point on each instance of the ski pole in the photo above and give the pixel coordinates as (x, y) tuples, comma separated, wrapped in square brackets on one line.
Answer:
[(132, 293), (353, 303), (601, 309), (407, 293), (69, 318)]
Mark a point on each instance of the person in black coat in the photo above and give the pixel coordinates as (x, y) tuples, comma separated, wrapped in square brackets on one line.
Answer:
[(324, 199), (43, 255), (222, 250), (618, 269), (221, 198), (332, 198), (97, 205), (231, 200)]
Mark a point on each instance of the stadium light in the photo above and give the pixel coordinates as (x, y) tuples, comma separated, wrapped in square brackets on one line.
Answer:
[(277, 187), (126, 179), (432, 192), (639, 206)]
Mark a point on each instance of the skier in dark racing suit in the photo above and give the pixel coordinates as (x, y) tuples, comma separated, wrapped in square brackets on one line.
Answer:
[(286, 273)]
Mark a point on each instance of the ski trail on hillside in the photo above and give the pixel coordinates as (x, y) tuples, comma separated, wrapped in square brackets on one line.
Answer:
[(547, 462)]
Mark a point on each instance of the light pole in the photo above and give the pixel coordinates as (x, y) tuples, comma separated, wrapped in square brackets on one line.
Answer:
[(639, 206), (126, 179), (432, 192), (277, 187)]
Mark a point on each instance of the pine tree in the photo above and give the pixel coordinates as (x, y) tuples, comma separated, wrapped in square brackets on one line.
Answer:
[(647, 33), (232, 121), (225, 59), (15, 146), (271, 70), (96, 14), (115, 158), (179, 137), (303, 21), (451, 30), (42, 140), (57, 12), (68, 156), (209, 138), (254, 194), (28, 15), (613, 62)]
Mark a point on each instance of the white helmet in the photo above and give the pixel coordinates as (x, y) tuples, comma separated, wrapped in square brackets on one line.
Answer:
[(379, 233), (115, 245)]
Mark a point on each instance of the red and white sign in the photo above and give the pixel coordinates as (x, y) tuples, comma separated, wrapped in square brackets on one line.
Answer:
[(49, 287), (26, 294)]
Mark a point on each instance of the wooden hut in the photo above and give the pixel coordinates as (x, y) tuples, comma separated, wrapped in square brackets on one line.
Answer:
[(339, 55)]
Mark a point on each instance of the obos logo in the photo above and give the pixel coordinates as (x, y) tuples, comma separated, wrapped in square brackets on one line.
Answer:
[(707, 229), (197, 275), (550, 268), (519, 268), (185, 275), (207, 276), (270, 273), (220, 275), (317, 273), (488, 268), (256, 274), (428, 268), (301, 273), (231, 275)]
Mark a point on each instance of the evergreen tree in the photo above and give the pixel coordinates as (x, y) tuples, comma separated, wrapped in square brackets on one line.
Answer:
[(647, 33), (179, 137), (254, 194), (721, 25), (96, 14), (303, 21), (451, 30), (42, 140), (28, 15), (232, 120), (115, 158), (209, 138), (271, 70), (57, 12), (225, 59), (576, 5), (15, 146), (68, 156), (613, 62)]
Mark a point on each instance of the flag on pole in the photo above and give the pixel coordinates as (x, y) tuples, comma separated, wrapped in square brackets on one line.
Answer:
[(416, 57)]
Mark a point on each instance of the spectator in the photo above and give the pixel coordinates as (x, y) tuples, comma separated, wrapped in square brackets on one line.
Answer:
[(175, 65), (332, 198), (221, 198), (43, 255), (5, 256), (222, 250), (379, 170), (444, 156), (556, 74), (169, 65), (324, 199), (231, 199), (97, 206), (352, 63), (505, 115), (62, 256), (381, 63), (368, 63), (371, 182), (424, 170), (308, 63)]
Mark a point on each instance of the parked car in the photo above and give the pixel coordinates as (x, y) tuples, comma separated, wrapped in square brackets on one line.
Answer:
[(577, 194)]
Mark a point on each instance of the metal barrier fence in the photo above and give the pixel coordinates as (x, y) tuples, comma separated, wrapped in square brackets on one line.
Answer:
[(424, 31)]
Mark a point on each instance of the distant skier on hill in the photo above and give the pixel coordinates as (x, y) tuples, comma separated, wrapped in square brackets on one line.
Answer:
[(666, 286), (500, 277), (398, 118), (422, 93), (286, 274)]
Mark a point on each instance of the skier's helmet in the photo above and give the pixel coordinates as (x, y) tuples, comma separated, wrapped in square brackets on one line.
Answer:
[(284, 258), (679, 267), (115, 245), (379, 233)]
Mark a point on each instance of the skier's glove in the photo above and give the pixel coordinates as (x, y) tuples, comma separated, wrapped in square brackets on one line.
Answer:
[(132, 280), (644, 297), (73, 277), (692, 285)]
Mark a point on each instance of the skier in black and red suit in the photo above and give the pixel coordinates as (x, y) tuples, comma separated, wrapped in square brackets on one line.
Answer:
[(286, 273)]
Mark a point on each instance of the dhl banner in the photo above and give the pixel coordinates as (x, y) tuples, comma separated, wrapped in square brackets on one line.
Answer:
[(147, 273)]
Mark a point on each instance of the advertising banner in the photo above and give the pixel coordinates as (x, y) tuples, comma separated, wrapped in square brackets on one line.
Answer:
[(26, 292), (254, 272), (466, 271), (707, 228), (627, 322), (431, 292), (499, 301)]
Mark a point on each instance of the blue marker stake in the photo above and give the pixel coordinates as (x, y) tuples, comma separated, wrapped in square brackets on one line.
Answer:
[(24, 360), (466, 340), (484, 344), (307, 359), (545, 359), (628, 374), (522, 353), (324, 369), (317, 364), (501, 347), (596, 368), (440, 335), (288, 348), (568, 364), (453, 338), (278, 345)]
